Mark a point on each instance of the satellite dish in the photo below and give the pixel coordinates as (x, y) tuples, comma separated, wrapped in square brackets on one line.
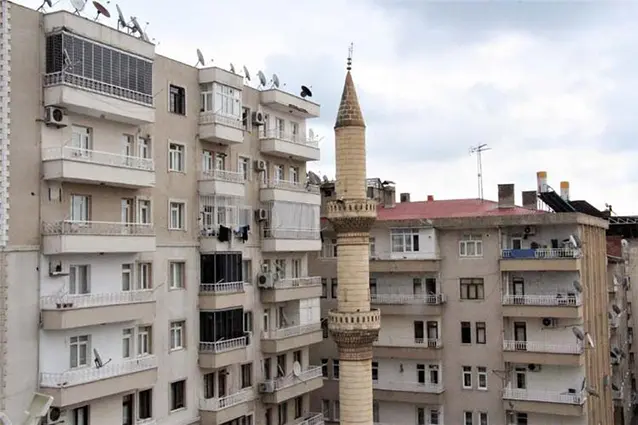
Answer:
[(313, 178), (232, 68), (577, 286), (45, 3), (574, 240), (305, 92), (275, 80), (200, 58), (311, 134), (624, 243), (121, 20), (66, 57), (101, 10), (98, 359), (592, 392), (578, 333), (296, 369), (138, 29), (246, 73), (614, 387), (39, 407), (262, 78), (78, 5), (590, 341), (616, 309)]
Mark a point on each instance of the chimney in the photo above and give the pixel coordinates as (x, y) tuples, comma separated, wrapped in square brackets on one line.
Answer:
[(389, 196), (529, 200), (430, 198), (564, 190), (404, 197), (506, 196)]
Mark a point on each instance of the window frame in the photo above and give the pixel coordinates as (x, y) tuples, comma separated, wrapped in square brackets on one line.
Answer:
[(466, 331), (469, 284), (181, 386), (474, 240), (335, 369), (177, 335), (481, 372), (179, 206), (78, 343), (176, 99), (481, 332), (466, 375), (176, 153), (399, 238), (176, 269)]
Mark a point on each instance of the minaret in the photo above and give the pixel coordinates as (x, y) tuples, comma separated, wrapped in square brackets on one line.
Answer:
[(354, 326)]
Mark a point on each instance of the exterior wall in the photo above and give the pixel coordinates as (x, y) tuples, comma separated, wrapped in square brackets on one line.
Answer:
[(428, 244)]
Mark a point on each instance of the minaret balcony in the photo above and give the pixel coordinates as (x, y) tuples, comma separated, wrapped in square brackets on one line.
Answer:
[(276, 142), (356, 215), (288, 103)]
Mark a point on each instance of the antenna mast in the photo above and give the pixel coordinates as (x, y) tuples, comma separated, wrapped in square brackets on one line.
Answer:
[(350, 49), (478, 149)]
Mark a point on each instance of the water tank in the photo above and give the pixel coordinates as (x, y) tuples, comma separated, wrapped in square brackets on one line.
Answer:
[(541, 181), (564, 190)]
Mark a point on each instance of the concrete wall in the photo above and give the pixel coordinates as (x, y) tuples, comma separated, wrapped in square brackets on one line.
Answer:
[(428, 246)]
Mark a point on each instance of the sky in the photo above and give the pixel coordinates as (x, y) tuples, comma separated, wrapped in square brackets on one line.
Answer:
[(547, 85)]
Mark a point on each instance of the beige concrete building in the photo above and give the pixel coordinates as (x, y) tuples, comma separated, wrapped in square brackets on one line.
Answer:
[(492, 313), (155, 226)]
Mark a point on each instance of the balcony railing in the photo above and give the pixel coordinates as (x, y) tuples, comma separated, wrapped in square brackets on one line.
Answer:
[(543, 300), (292, 186), (303, 234), (540, 253), (90, 374), (216, 404), (223, 175), (407, 298), (277, 384), (68, 301), (297, 282), (415, 387), (97, 228), (399, 256), (89, 84), (542, 347), (213, 118), (410, 342), (223, 345), (97, 157), (310, 419), (222, 288), (291, 331), (289, 137), (544, 396)]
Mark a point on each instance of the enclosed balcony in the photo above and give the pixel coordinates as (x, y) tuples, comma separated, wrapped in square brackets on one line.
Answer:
[(287, 289), (213, 355), (70, 164), (275, 391), (223, 295), (564, 403), (221, 410), (287, 191), (279, 143), (291, 337), (221, 183), (290, 240), (288, 103)]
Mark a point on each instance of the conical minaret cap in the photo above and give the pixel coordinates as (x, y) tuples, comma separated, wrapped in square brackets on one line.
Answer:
[(349, 114)]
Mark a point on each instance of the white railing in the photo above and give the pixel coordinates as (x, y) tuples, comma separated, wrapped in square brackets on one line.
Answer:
[(222, 287), (390, 341), (223, 345), (544, 396), (398, 256), (297, 282), (543, 300), (302, 234), (66, 78), (97, 228), (540, 253), (542, 347), (298, 139), (210, 117), (97, 157), (147, 421), (407, 298), (292, 186), (72, 301), (90, 374), (415, 387), (291, 331), (310, 419), (287, 381), (222, 175), (215, 404)]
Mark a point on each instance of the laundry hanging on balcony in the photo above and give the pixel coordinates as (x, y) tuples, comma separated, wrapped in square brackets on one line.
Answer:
[(224, 234), (242, 232)]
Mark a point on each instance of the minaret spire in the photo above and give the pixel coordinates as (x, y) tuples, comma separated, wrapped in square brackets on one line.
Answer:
[(349, 114)]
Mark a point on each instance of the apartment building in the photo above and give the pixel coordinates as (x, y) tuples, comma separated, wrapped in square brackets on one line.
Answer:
[(156, 227), (492, 313)]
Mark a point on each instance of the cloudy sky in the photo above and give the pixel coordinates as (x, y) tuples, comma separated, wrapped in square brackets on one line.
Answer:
[(547, 85)]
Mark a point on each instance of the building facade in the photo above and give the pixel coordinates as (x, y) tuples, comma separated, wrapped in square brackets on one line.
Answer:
[(156, 225)]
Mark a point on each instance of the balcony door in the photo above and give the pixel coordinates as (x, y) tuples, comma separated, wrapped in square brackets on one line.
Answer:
[(128, 149), (419, 332), (520, 335), (518, 290), (520, 377), (221, 382), (81, 141), (433, 333), (80, 208)]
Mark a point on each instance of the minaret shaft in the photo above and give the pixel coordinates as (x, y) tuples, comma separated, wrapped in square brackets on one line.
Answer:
[(351, 162)]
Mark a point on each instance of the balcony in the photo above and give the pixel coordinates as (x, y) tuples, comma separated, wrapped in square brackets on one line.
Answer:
[(285, 339), (408, 348), (310, 419), (408, 304), (69, 164), (80, 385), (75, 311), (290, 240), (559, 306), (289, 104), (221, 183), (220, 296), (540, 259), (538, 352), (403, 262), (221, 129), (285, 145), (544, 402), (289, 289), (286, 191), (224, 409), (275, 391), (213, 355), (408, 392), (86, 237)]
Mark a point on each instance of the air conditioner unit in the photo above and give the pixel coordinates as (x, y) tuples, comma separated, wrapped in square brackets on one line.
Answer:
[(55, 416), (263, 388), (265, 280), (260, 165), (55, 117), (56, 268), (529, 230), (533, 367), (261, 214), (258, 118), (549, 322)]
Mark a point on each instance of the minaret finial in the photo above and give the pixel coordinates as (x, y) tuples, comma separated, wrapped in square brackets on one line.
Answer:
[(350, 49)]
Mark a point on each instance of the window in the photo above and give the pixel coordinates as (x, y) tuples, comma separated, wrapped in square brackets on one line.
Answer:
[(176, 271), (268, 416), (472, 288), (144, 148), (178, 216), (247, 270), (128, 410), (481, 373), (295, 268), (324, 328), (127, 343), (336, 410), (294, 131), (298, 407), (483, 418), (324, 287), (375, 371), (177, 335), (280, 126), (373, 247), (471, 246), (178, 395), (81, 415), (144, 211), (220, 161), (466, 333), (144, 343), (176, 157), (520, 418), (81, 141), (296, 356), (324, 368), (481, 333), (372, 283), (244, 167), (247, 375), (80, 208), (468, 418), (335, 369), (420, 373), (145, 404), (405, 240), (177, 100), (325, 408), (420, 416), (293, 174), (127, 277), (144, 276), (248, 321), (375, 411), (434, 374), (467, 377), (208, 161), (80, 350), (435, 416), (228, 101), (282, 413), (280, 267), (279, 173), (334, 287), (79, 280)]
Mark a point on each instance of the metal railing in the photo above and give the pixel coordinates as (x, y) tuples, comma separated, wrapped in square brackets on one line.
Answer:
[(409, 342), (291, 331), (292, 186), (542, 347), (277, 384), (222, 287), (540, 253), (544, 396), (302, 234), (219, 403), (223, 345), (433, 299), (286, 136), (66, 78), (97, 228), (97, 157), (88, 374), (543, 300), (210, 117), (222, 175), (297, 282), (400, 256), (415, 387), (310, 419), (72, 301)]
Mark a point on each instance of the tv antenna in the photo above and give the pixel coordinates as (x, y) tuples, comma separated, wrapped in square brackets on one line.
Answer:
[(200, 59), (350, 50), (45, 3), (478, 149), (78, 5), (101, 10), (262, 79)]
